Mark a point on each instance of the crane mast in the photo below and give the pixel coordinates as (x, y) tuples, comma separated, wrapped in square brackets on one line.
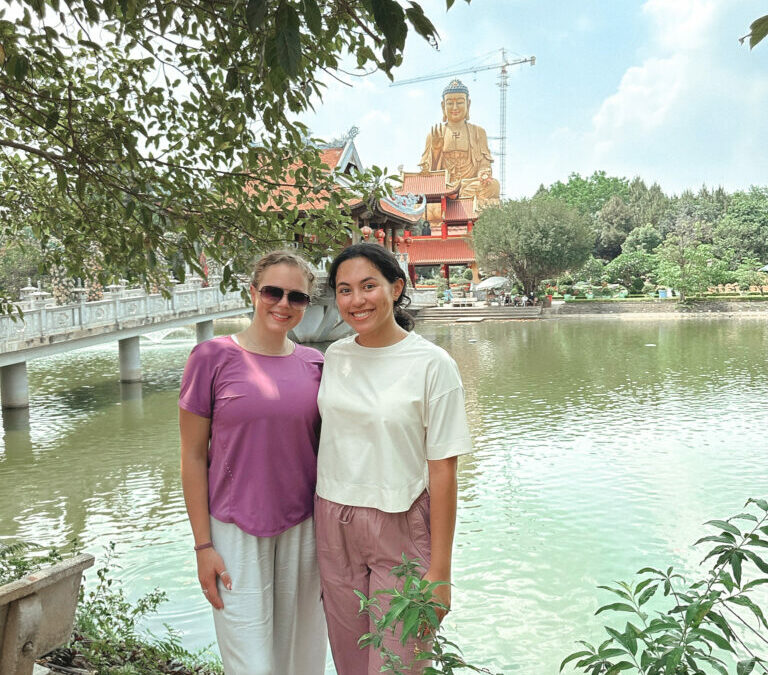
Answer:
[(503, 82)]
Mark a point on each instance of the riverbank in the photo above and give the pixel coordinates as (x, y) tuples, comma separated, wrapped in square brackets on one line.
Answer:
[(741, 307)]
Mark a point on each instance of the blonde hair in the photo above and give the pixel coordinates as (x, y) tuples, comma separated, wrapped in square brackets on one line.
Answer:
[(282, 258)]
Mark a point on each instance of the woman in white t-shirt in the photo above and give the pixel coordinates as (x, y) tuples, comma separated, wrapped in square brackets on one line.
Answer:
[(394, 423)]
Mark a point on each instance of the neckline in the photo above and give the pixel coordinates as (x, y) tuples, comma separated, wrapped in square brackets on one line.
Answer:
[(381, 350), (234, 339)]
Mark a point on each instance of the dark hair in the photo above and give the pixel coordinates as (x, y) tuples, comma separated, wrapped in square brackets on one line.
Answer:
[(387, 264)]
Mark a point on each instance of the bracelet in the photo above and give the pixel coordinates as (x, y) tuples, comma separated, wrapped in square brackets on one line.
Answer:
[(201, 547)]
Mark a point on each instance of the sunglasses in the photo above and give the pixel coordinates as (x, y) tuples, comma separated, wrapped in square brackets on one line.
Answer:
[(271, 295)]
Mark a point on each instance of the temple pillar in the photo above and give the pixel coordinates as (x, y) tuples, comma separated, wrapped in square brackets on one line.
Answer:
[(444, 230), (14, 387), (204, 330), (447, 273), (130, 359)]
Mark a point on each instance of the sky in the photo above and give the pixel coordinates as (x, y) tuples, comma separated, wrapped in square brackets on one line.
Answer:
[(660, 89)]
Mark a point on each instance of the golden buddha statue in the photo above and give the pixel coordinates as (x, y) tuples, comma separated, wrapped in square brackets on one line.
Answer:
[(460, 148)]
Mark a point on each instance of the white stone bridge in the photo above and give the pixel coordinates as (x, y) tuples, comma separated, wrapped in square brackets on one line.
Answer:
[(125, 315), (122, 315)]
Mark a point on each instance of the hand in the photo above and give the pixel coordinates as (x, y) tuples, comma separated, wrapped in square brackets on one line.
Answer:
[(441, 593), (210, 565), (437, 138)]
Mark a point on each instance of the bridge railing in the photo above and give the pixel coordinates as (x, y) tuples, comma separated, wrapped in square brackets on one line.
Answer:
[(43, 319)]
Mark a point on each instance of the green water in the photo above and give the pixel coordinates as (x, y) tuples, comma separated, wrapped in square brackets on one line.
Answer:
[(601, 446)]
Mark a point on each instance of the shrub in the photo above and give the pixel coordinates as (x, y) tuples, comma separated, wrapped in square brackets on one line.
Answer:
[(697, 622)]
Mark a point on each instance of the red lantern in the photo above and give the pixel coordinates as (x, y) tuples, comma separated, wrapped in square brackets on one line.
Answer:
[(398, 239), (380, 234), (408, 240), (366, 231)]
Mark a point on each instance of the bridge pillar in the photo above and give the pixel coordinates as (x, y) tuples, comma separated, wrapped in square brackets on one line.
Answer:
[(130, 360), (204, 330), (14, 388)]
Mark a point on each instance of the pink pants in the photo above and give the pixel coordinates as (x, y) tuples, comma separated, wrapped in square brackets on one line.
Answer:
[(357, 547)]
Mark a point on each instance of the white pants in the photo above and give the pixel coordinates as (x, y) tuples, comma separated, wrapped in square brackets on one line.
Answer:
[(272, 622)]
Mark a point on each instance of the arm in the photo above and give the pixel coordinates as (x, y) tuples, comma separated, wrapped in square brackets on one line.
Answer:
[(195, 431), (442, 522)]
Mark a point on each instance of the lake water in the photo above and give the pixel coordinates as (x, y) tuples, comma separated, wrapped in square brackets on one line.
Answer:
[(601, 446)]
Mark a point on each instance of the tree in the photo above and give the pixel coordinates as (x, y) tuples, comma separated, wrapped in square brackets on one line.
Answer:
[(614, 223), (535, 239), (140, 123), (644, 238), (686, 264), (744, 227), (589, 195), (648, 204), (631, 268)]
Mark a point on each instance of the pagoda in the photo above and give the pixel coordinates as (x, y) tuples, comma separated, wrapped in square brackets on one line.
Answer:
[(441, 236)]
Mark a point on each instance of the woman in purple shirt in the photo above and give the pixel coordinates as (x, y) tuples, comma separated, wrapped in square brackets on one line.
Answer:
[(249, 434)]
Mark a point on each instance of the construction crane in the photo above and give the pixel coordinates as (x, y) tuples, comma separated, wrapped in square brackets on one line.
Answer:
[(503, 83)]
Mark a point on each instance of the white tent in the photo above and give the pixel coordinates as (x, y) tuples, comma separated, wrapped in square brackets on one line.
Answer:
[(493, 283)]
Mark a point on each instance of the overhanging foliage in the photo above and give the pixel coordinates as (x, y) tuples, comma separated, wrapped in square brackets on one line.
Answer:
[(132, 127)]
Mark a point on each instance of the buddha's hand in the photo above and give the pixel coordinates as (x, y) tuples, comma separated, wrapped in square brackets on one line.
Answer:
[(437, 138)]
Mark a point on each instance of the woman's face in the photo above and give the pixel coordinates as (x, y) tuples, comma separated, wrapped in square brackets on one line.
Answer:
[(364, 297), (280, 316)]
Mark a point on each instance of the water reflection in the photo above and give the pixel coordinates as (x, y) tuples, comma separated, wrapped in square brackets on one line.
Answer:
[(595, 454)]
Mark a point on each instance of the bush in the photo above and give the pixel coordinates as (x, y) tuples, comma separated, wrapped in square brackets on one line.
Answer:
[(106, 638), (696, 622)]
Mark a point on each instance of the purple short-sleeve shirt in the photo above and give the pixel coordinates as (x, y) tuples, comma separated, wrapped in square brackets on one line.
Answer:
[(265, 425)]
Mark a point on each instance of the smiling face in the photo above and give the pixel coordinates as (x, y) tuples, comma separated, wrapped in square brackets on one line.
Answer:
[(455, 107), (366, 299), (279, 317)]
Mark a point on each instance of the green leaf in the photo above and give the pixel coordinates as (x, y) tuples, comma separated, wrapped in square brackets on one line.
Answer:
[(724, 525), (21, 67), (752, 584), (761, 564), (762, 503), (617, 591), (288, 40), (672, 660), (390, 20), (647, 595), (759, 30), (616, 607), (746, 602), (421, 24), (618, 667), (449, 4), (718, 639), (255, 12), (736, 566), (312, 17), (745, 667), (61, 180), (573, 657)]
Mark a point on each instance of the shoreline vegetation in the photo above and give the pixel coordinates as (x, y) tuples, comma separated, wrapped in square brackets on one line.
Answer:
[(107, 637)]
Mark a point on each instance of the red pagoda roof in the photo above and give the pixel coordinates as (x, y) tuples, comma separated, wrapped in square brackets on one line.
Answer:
[(431, 184), (460, 209), (317, 201), (331, 157), (434, 251)]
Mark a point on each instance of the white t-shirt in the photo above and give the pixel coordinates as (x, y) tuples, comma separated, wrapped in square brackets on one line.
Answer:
[(385, 412)]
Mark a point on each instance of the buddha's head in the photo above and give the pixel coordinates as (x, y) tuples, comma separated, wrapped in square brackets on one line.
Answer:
[(455, 102)]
